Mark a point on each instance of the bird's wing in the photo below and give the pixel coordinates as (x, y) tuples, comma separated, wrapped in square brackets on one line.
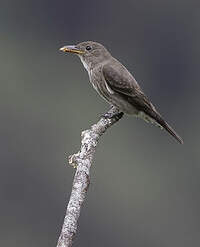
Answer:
[(119, 79)]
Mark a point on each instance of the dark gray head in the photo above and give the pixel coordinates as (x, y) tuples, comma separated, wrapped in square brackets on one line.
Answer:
[(91, 53)]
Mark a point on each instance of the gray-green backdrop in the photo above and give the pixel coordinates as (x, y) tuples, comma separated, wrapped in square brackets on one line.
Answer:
[(144, 186)]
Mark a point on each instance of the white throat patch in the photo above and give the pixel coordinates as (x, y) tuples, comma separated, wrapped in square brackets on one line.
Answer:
[(84, 64)]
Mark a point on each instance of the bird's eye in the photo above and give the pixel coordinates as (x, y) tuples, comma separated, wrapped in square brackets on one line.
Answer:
[(88, 48)]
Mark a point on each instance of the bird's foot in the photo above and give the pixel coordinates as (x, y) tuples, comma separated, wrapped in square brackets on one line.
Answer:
[(113, 113), (109, 115)]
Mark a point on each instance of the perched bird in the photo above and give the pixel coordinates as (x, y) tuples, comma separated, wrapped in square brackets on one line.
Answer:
[(116, 84)]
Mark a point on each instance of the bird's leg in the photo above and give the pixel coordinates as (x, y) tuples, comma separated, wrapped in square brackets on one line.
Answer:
[(113, 113)]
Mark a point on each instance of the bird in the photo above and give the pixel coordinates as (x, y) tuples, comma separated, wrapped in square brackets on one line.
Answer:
[(116, 84)]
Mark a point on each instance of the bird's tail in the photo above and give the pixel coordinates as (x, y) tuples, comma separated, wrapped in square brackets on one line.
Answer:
[(169, 129), (157, 117)]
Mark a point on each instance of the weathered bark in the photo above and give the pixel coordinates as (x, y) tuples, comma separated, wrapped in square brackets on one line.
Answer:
[(82, 162)]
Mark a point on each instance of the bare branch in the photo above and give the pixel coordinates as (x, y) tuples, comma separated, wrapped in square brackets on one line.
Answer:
[(82, 162)]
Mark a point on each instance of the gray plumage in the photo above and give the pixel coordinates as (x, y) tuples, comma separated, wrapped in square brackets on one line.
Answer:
[(116, 84)]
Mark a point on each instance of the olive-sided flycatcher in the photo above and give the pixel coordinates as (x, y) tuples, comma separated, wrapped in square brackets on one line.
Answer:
[(116, 84)]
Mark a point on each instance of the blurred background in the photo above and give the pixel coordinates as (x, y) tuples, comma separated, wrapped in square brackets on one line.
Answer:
[(145, 187)]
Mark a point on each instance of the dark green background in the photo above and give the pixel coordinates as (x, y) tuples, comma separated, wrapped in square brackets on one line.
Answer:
[(145, 187)]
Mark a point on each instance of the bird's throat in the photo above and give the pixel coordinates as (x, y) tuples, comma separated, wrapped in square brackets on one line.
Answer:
[(86, 65)]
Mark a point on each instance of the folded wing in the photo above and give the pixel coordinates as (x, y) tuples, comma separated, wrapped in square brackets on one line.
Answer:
[(119, 79)]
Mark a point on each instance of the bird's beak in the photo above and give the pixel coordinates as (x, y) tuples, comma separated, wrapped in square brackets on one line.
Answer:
[(71, 48)]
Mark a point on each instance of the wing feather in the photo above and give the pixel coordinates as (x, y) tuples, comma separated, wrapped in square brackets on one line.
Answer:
[(121, 81)]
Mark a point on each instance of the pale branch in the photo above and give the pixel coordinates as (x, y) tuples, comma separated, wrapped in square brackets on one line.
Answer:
[(82, 162)]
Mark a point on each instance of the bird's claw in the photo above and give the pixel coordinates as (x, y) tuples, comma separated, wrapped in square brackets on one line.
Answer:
[(110, 115)]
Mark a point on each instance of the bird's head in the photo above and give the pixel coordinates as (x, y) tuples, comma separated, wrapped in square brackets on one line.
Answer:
[(91, 53)]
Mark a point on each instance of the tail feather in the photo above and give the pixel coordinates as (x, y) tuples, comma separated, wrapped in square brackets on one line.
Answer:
[(156, 116), (169, 129)]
